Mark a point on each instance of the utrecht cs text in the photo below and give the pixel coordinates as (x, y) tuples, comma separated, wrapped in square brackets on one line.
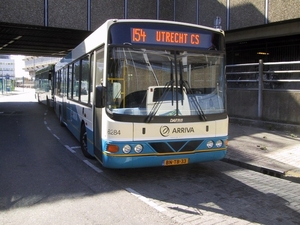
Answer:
[(140, 35)]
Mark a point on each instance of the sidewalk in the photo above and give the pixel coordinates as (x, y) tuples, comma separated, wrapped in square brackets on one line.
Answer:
[(276, 153), (18, 91)]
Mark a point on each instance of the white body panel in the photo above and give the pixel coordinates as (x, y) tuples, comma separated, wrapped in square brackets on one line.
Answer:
[(122, 131)]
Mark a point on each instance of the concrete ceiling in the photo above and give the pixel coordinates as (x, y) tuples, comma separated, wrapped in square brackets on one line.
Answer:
[(266, 31), (29, 40), (20, 39)]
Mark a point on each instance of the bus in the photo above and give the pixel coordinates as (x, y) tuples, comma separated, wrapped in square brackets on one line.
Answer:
[(43, 85), (145, 93)]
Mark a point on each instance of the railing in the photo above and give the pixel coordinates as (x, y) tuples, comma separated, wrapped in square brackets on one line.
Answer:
[(275, 76), (272, 75)]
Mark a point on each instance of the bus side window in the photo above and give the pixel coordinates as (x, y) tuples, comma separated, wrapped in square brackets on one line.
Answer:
[(85, 80), (75, 84), (69, 80), (97, 68)]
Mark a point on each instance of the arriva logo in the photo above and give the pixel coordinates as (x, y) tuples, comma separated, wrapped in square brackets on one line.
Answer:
[(165, 130), (183, 130)]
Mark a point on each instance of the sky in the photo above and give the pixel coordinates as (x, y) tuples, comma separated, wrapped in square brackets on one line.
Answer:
[(19, 65)]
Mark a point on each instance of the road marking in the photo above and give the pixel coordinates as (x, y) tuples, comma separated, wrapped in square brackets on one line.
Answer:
[(73, 151), (70, 149), (92, 166), (146, 200), (56, 136)]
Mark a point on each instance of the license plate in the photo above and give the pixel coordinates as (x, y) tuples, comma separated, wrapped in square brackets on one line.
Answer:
[(174, 162)]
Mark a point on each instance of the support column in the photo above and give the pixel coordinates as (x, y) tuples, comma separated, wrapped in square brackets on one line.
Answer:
[(260, 89)]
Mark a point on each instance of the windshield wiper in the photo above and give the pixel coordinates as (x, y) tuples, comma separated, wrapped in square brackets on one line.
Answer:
[(189, 91), (168, 86), (149, 65), (158, 103)]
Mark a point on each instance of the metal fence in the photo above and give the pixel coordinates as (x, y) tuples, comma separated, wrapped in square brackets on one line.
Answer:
[(265, 75), (265, 79)]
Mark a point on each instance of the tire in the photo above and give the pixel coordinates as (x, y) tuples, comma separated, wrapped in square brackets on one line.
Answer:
[(38, 99), (47, 102), (83, 142), (61, 122)]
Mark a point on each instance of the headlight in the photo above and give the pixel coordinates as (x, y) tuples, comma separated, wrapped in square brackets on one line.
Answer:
[(126, 149), (219, 143), (210, 144), (138, 148)]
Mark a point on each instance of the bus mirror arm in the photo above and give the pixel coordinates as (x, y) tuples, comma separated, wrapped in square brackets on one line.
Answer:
[(100, 96)]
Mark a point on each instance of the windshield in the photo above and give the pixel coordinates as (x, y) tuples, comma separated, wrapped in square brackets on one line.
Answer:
[(165, 83)]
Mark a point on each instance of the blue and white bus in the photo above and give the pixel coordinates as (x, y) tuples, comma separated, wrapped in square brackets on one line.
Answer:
[(43, 84), (143, 93)]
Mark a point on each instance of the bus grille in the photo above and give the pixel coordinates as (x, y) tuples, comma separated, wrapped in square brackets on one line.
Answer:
[(176, 146)]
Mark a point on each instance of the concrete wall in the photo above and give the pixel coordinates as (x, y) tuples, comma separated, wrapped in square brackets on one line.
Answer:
[(22, 11), (146, 10), (281, 106), (278, 105), (166, 10), (67, 14), (246, 13), (283, 10), (242, 103), (76, 14), (101, 11), (210, 9), (186, 11)]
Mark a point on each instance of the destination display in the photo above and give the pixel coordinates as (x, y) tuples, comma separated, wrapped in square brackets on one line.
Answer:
[(162, 34), (152, 36)]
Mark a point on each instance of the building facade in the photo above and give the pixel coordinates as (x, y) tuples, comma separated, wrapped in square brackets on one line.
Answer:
[(33, 63), (7, 73)]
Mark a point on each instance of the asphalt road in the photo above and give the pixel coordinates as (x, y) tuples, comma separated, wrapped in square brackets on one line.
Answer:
[(44, 179), (41, 182)]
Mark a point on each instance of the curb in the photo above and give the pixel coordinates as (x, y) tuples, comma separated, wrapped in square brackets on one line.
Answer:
[(271, 172), (268, 125), (291, 175)]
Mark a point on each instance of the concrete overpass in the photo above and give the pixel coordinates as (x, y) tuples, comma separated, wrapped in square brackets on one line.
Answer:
[(54, 27), (34, 40)]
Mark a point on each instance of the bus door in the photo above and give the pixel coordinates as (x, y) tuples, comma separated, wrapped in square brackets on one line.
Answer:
[(69, 94), (97, 68), (64, 94)]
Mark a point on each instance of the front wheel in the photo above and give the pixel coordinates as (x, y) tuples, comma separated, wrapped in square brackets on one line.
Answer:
[(38, 99), (61, 121), (83, 142)]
